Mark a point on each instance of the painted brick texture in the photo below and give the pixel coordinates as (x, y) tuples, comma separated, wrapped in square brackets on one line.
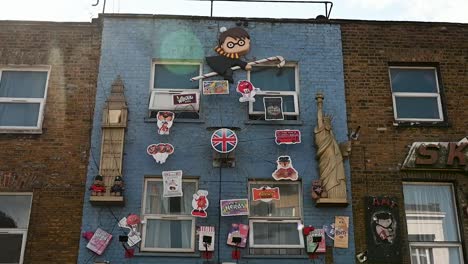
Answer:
[(130, 43), (368, 48), (53, 164)]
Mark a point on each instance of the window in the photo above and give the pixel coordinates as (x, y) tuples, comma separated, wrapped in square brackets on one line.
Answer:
[(15, 209), (432, 224), (275, 82), (416, 94), (23, 94), (274, 224), (171, 79), (169, 225)]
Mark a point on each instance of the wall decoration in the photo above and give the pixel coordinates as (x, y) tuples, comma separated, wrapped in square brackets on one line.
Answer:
[(184, 99), (330, 230), (247, 90), (318, 191), (273, 108), (238, 235), (362, 257), (383, 242), (98, 188), (451, 156), (172, 181), (224, 140), (341, 231), (118, 187), (160, 151), (131, 222), (285, 170), (165, 120), (287, 136), (206, 238), (332, 174), (316, 241), (215, 87), (234, 207), (200, 203), (99, 241), (266, 194)]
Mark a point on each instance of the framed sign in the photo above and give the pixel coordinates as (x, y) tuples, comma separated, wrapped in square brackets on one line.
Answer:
[(234, 207), (287, 136), (238, 231), (215, 87), (172, 182), (99, 242), (184, 99), (273, 108), (341, 231), (266, 194)]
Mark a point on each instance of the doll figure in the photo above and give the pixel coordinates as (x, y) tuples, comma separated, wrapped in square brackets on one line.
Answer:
[(200, 203), (247, 90), (284, 170), (318, 191), (117, 189), (98, 188), (165, 120)]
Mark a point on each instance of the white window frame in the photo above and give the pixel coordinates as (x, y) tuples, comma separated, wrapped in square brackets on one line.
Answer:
[(417, 95), (27, 129), (275, 219), (278, 93), (147, 217), (440, 244), (23, 231)]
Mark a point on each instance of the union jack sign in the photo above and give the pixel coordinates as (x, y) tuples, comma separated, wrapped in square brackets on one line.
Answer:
[(224, 140)]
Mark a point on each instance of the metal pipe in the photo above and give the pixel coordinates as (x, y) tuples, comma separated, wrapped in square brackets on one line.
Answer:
[(103, 7)]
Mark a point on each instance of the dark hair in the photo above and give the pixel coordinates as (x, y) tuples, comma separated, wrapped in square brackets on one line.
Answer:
[(383, 216), (237, 32)]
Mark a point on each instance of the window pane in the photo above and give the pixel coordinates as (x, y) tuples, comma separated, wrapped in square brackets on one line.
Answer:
[(417, 107), (288, 103), (274, 78), (157, 204), (168, 233), (413, 80), (276, 234), (287, 206), (10, 245), (23, 84), (14, 211), (430, 213), (175, 76), (422, 255), (19, 114)]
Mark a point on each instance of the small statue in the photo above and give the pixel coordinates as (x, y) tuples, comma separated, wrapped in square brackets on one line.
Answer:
[(118, 188), (318, 191), (98, 188)]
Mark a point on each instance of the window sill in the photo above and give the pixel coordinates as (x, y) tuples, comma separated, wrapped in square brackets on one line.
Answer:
[(280, 122), (421, 124), (177, 120), (276, 256), (20, 131), (167, 254)]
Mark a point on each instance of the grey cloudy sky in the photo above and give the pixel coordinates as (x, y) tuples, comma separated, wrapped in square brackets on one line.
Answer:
[(82, 10)]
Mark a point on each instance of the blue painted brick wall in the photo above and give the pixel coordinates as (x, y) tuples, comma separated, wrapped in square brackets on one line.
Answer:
[(129, 44)]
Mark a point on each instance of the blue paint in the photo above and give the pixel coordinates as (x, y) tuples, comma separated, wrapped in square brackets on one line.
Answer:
[(128, 47)]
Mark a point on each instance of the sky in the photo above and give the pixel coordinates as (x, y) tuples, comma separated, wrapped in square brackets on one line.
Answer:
[(83, 11)]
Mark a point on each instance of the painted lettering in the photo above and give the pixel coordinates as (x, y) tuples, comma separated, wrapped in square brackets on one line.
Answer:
[(427, 154), (455, 152)]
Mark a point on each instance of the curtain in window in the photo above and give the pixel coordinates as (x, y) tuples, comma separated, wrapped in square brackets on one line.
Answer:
[(19, 114), (276, 234), (168, 233), (157, 204)]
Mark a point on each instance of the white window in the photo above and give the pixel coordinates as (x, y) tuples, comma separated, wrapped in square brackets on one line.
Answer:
[(15, 209), (275, 82), (171, 79), (169, 225), (274, 224), (416, 94), (23, 93), (431, 218)]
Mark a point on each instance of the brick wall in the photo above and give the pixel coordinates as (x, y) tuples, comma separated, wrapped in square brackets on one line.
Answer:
[(53, 164), (368, 47)]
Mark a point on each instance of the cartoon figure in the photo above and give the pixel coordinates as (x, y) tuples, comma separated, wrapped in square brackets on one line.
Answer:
[(98, 188), (160, 151), (384, 227), (117, 189), (284, 170), (232, 44), (165, 120), (131, 222), (247, 90), (318, 191), (200, 203)]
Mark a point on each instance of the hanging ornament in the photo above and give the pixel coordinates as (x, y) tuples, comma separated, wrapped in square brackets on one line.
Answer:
[(247, 90), (200, 203), (224, 140), (285, 170), (165, 120), (160, 151)]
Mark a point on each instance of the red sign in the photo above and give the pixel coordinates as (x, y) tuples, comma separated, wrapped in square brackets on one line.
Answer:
[(266, 194), (287, 136), (184, 99)]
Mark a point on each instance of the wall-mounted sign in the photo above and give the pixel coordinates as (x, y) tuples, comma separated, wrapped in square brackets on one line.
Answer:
[(215, 87), (160, 151), (224, 140), (316, 241), (266, 194), (165, 120), (238, 235), (273, 108), (437, 155), (99, 241), (383, 242), (287, 136), (206, 238), (341, 231), (234, 207), (247, 90), (184, 99), (200, 203), (285, 170), (172, 182)]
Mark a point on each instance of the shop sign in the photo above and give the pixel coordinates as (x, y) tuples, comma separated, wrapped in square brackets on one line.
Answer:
[(266, 194), (437, 155), (234, 207), (184, 99), (287, 136)]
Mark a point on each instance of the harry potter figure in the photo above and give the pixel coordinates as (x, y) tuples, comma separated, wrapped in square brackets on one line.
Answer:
[(232, 44)]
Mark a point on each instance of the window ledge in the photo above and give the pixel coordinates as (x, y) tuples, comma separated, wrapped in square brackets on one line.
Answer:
[(177, 120), (403, 124), (277, 256), (20, 131), (280, 122), (167, 254)]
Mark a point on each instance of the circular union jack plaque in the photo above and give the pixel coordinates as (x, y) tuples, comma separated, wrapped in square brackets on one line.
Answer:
[(224, 140)]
